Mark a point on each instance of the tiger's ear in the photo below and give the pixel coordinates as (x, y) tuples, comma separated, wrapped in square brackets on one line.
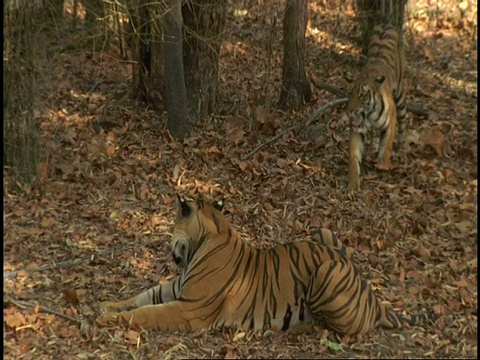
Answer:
[(200, 202), (183, 208), (380, 79), (348, 76), (218, 204)]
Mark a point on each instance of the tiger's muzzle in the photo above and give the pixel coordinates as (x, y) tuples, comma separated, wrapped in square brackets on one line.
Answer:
[(180, 250), (357, 118)]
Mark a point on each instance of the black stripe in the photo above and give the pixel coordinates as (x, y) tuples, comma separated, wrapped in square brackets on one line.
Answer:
[(301, 315), (266, 277), (266, 318), (250, 311), (286, 318), (159, 295), (216, 221)]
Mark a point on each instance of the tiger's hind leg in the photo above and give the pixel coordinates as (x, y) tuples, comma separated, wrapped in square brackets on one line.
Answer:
[(387, 138), (355, 159), (341, 299)]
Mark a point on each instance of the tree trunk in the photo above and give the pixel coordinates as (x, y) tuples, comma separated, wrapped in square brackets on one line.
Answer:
[(95, 10), (21, 141), (146, 45), (204, 22), (175, 91), (296, 89)]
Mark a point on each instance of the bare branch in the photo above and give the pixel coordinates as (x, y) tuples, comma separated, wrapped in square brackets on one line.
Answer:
[(296, 126), (28, 305), (329, 88), (9, 275)]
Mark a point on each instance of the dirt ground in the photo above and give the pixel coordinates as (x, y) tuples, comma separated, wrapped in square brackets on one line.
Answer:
[(97, 226)]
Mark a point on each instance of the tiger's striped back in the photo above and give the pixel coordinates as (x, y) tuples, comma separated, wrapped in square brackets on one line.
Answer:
[(377, 100), (386, 50)]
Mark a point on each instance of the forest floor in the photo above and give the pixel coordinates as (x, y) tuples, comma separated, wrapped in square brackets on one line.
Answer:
[(97, 226)]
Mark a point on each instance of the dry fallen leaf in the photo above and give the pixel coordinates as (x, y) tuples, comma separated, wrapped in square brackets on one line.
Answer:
[(132, 336), (213, 150), (231, 355), (234, 122), (461, 283), (71, 297), (110, 150), (435, 139), (464, 226), (237, 136), (42, 169), (144, 192), (14, 320), (432, 117), (48, 222), (128, 169), (242, 165), (261, 114), (429, 54), (422, 252)]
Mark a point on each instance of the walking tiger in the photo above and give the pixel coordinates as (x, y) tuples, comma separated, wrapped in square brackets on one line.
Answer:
[(377, 100)]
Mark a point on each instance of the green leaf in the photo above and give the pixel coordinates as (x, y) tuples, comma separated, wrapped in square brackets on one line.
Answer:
[(333, 346), (70, 243)]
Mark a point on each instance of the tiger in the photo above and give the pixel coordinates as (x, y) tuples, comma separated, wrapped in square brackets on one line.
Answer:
[(377, 100), (225, 281)]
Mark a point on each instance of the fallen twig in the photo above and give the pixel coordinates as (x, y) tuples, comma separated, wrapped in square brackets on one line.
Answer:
[(296, 126), (323, 108), (411, 107), (28, 305), (85, 98), (329, 88), (9, 275)]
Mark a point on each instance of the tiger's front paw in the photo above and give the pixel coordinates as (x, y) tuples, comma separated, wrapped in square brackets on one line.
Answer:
[(109, 318), (353, 185), (383, 165), (117, 318), (109, 307)]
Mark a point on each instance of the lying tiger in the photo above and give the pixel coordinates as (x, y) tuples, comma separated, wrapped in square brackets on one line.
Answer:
[(377, 100), (224, 281)]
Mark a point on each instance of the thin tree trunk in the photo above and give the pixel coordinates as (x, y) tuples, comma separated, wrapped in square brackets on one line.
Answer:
[(21, 141), (145, 34), (296, 89), (141, 61), (204, 22), (175, 91)]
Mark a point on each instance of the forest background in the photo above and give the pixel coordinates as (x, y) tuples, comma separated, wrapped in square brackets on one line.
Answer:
[(92, 222)]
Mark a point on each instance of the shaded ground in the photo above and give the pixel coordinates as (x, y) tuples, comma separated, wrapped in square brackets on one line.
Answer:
[(97, 227)]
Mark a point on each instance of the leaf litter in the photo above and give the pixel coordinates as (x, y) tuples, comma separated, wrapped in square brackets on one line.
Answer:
[(97, 227)]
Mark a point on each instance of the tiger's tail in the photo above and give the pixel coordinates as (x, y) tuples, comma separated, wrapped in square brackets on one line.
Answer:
[(390, 320), (328, 238)]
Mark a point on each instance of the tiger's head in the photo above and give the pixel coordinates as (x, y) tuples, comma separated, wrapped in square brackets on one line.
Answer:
[(195, 221), (364, 95)]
